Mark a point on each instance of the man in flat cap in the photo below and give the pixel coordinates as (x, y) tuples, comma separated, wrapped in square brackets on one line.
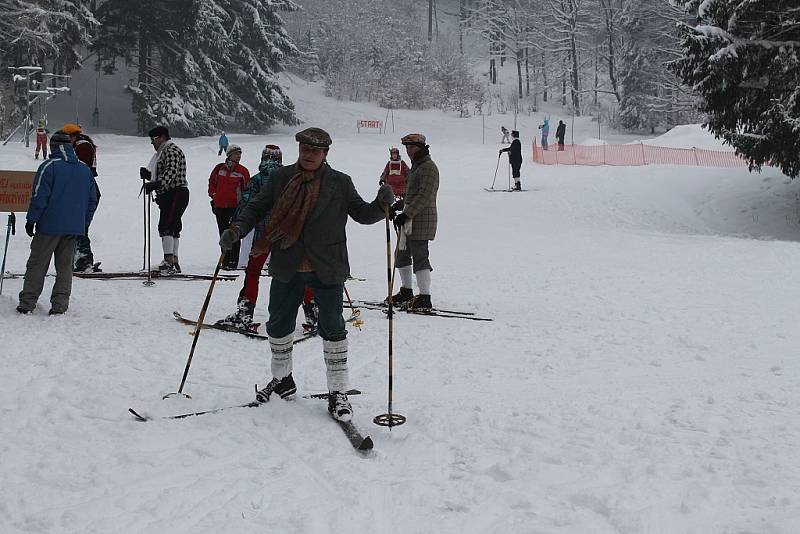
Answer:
[(166, 176), (308, 204), (417, 225)]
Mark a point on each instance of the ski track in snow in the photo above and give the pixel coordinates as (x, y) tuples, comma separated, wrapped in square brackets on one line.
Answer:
[(639, 375)]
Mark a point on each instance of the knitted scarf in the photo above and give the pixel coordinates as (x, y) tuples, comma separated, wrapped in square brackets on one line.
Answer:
[(287, 218)]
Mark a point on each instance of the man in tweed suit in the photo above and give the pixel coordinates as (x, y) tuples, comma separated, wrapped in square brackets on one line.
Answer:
[(417, 225), (308, 204)]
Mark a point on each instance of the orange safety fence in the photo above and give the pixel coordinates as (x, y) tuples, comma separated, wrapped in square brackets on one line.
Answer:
[(635, 154)]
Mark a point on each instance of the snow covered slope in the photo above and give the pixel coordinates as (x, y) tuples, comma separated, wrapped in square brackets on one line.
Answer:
[(640, 374)]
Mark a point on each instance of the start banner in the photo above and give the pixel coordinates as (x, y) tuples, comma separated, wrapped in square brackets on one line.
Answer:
[(369, 124), (15, 190)]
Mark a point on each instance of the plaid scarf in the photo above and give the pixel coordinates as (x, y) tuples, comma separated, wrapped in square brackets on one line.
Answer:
[(289, 215)]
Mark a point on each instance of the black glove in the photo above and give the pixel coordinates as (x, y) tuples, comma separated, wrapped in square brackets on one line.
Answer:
[(228, 238), (385, 195), (213, 209), (144, 174), (399, 220), (398, 206), (149, 187), (30, 228)]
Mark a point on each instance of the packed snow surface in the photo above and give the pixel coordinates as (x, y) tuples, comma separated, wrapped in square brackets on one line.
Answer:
[(640, 374)]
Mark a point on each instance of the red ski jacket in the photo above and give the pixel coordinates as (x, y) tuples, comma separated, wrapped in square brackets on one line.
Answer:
[(395, 174), (225, 186)]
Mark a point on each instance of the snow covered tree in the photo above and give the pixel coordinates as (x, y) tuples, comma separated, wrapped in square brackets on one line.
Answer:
[(650, 95), (508, 26), (569, 39), (134, 32), (457, 88), (44, 33), (203, 65), (375, 50), (741, 58)]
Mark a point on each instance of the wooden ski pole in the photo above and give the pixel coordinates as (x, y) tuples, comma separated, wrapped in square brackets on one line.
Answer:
[(389, 419), (197, 330)]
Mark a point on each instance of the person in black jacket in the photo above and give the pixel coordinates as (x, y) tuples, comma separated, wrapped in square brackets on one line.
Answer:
[(561, 131), (514, 158)]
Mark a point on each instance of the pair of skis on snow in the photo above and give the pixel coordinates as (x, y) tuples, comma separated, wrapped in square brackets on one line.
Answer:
[(307, 334), (354, 436), (492, 190), (357, 440), (435, 312), (135, 275)]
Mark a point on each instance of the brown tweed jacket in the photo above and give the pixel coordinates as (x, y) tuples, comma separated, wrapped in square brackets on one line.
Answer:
[(422, 185)]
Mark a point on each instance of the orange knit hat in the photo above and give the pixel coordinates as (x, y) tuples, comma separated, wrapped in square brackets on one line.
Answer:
[(71, 128)]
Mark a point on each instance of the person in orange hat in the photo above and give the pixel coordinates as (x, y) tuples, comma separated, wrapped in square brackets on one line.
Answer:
[(86, 151)]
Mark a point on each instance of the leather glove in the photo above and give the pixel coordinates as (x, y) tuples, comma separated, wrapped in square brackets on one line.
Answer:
[(144, 174), (149, 187), (213, 209), (228, 238), (30, 228), (385, 195), (398, 206), (399, 220)]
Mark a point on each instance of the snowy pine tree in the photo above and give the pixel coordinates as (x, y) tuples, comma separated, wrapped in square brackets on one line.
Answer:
[(741, 58), (44, 33), (243, 49), (204, 65)]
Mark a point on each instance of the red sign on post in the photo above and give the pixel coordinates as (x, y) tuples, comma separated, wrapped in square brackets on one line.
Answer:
[(15, 190)]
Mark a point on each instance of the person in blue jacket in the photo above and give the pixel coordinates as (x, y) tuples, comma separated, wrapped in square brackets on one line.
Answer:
[(63, 200), (545, 128), (223, 144)]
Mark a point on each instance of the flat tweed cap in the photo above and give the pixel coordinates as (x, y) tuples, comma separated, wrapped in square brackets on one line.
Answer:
[(315, 137), (413, 139)]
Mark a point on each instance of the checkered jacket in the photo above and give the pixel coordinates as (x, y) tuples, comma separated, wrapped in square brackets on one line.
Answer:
[(171, 169), (422, 185)]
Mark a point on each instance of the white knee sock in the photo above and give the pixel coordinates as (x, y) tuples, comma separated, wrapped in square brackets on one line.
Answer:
[(406, 277), (281, 347), (167, 243), (175, 246), (335, 353), (424, 281)]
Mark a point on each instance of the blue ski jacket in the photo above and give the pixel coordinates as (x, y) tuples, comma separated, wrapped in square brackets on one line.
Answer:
[(64, 194)]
